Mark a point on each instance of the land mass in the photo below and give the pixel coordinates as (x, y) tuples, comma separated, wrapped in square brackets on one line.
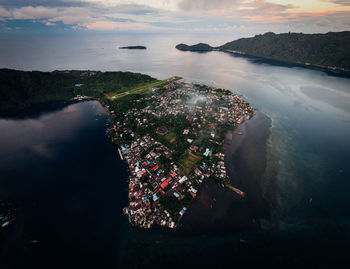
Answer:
[(170, 133), (172, 139), (330, 50), (22, 89), (134, 47), (198, 47)]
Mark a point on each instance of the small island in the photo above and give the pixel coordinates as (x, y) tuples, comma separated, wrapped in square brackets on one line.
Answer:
[(201, 47), (134, 47)]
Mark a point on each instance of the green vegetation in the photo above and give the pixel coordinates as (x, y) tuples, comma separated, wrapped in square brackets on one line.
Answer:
[(134, 47), (198, 47), (170, 136), (21, 89), (222, 92), (189, 162), (172, 204), (331, 50), (142, 88)]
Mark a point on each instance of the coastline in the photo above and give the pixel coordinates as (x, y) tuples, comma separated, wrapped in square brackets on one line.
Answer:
[(246, 164), (334, 71)]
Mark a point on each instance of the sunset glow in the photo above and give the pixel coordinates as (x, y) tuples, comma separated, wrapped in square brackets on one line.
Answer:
[(177, 16)]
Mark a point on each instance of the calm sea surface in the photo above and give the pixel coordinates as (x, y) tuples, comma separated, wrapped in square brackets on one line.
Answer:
[(64, 176)]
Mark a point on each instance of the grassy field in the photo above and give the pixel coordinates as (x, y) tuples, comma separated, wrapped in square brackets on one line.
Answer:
[(170, 136), (189, 162), (142, 88)]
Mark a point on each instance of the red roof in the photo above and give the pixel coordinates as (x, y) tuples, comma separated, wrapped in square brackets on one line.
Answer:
[(155, 168), (173, 174), (165, 183)]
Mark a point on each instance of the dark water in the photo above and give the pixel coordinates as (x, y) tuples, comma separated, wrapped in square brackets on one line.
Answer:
[(70, 187), (67, 198)]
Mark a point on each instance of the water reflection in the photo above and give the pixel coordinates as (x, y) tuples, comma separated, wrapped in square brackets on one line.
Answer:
[(310, 134)]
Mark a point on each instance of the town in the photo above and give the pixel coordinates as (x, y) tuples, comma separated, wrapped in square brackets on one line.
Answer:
[(172, 140)]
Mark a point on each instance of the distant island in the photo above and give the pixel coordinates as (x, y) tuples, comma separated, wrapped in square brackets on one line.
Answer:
[(134, 47), (330, 50), (198, 47)]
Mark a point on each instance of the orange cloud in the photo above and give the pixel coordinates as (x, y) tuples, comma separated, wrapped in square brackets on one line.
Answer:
[(102, 25), (111, 25)]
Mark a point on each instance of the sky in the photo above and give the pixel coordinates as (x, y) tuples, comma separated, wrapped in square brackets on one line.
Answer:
[(174, 16)]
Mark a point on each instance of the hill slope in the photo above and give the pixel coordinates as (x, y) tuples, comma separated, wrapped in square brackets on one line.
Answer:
[(331, 50), (20, 89), (197, 47)]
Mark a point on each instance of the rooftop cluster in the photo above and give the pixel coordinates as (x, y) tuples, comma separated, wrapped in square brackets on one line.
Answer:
[(172, 141)]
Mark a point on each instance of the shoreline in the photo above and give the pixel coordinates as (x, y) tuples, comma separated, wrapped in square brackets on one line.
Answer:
[(185, 177), (333, 71), (246, 164), (228, 146)]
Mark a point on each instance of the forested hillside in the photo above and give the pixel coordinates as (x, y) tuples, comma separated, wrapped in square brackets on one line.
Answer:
[(329, 50), (20, 89)]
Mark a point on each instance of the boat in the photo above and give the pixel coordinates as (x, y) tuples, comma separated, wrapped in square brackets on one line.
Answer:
[(5, 224)]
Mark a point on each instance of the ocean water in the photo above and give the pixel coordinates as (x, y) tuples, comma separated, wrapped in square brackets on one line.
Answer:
[(70, 187)]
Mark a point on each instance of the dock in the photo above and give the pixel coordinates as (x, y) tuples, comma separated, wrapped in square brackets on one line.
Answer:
[(239, 192), (120, 154)]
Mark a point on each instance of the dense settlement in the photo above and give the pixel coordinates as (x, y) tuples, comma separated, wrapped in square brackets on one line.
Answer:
[(172, 141)]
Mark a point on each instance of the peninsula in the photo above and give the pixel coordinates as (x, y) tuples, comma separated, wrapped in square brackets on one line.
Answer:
[(170, 133), (172, 140), (134, 47), (330, 50), (22, 89)]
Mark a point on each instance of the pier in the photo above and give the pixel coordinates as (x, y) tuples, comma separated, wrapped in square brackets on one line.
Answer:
[(120, 154)]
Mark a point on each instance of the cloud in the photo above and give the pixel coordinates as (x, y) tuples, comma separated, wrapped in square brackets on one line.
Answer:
[(252, 10), (46, 3), (174, 15), (339, 2), (4, 12), (135, 9), (39, 12), (265, 11), (120, 18), (158, 4), (111, 25), (48, 23), (198, 5)]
